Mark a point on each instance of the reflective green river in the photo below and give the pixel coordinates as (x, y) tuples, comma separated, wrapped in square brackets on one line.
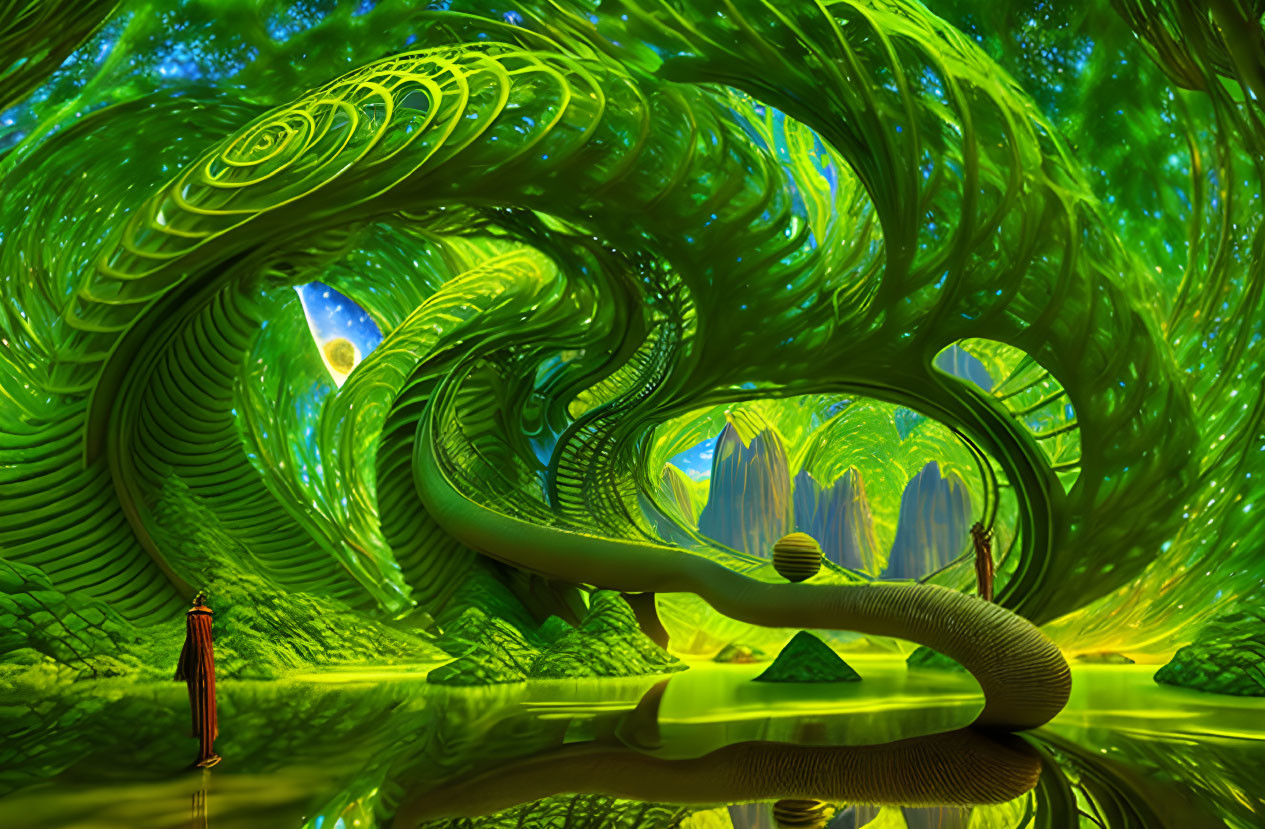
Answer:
[(345, 750)]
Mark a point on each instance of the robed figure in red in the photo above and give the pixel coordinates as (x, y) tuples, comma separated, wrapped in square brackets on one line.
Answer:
[(197, 669)]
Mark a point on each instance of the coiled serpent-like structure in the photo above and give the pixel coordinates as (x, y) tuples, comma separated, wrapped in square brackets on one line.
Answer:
[(677, 261)]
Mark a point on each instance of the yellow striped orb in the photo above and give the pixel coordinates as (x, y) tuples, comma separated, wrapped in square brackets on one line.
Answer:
[(797, 557), (800, 814)]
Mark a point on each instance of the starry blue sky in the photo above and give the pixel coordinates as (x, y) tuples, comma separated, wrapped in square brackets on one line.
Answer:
[(330, 315)]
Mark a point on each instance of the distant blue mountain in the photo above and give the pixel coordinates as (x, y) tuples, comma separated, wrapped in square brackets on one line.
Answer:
[(749, 495), (752, 502), (838, 516), (961, 363), (934, 524)]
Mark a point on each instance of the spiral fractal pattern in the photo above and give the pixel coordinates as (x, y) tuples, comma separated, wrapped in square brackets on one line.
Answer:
[(591, 234)]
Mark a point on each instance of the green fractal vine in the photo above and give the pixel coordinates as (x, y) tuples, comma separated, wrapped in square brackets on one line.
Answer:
[(593, 234)]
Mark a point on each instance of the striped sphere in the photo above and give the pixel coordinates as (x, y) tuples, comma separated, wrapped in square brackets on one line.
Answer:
[(800, 814), (797, 556)]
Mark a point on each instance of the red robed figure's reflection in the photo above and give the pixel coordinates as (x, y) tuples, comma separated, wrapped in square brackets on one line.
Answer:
[(197, 669)]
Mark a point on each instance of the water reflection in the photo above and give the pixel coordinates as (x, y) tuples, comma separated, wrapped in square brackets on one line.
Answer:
[(958, 767), (199, 801), (697, 750)]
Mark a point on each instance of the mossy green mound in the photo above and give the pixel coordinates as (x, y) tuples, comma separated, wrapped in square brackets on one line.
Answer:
[(925, 658), (740, 654), (808, 659), (1104, 658), (1227, 657), (262, 631), (484, 589), (489, 650), (38, 621), (474, 630), (553, 629), (608, 643)]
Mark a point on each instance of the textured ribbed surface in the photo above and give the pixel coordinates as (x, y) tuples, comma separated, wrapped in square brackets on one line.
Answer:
[(586, 486), (431, 560), (176, 417), (957, 767), (37, 36), (1023, 675), (791, 813), (66, 521), (797, 557)]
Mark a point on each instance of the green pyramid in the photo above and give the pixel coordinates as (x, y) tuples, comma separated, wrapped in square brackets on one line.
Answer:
[(932, 660), (808, 659)]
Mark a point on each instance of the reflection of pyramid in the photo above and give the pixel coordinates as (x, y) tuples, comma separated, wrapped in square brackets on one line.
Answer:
[(916, 817), (752, 816)]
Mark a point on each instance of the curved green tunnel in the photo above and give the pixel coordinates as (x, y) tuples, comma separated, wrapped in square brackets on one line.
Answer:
[(587, 231)]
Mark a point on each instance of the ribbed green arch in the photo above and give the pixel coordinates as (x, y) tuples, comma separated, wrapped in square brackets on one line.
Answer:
[(399, 136)]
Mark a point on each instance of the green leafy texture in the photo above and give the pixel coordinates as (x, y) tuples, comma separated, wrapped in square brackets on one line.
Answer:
[(1227, 657), (808, 659), (37, 37), (553, 629), (484, 589), (85, 635), (608, 643), (488, 651), (263, 632)]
